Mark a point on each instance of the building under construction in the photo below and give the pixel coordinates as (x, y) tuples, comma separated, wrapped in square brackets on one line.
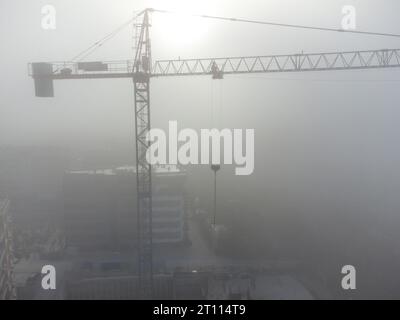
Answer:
[(7, 291), (99, 208)]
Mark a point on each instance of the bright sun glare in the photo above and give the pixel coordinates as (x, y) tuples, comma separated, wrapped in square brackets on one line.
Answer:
[(180, 28)]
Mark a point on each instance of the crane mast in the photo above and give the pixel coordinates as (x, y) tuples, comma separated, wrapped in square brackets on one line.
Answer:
[(141, 83), (142, 69)]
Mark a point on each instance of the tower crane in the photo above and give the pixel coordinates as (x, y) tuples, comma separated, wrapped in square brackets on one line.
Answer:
[(141, 69)]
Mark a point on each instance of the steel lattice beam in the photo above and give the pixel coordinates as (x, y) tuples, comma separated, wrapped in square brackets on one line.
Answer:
[(144, 188), (353, 60), (280, 63), (141, 81)]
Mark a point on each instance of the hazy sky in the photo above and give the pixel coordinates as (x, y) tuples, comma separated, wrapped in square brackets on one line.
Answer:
[(102, 109), (312, 130)]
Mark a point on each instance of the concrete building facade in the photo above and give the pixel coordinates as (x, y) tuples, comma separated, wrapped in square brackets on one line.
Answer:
[(100, 208), (7, 291)]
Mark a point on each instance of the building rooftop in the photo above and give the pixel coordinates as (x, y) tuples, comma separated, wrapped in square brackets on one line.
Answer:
[(123, 170)]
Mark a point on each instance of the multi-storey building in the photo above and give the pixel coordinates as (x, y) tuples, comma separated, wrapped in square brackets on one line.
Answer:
[(100, 207), (6, 260)]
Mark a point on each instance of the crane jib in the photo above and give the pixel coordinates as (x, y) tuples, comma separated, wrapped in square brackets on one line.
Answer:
[(45, 72)]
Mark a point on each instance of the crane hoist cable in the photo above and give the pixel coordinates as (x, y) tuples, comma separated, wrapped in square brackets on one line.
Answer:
[(220, 106), (84, 53), (212, 105), (216, 104), (286, 25), (88, 51)]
